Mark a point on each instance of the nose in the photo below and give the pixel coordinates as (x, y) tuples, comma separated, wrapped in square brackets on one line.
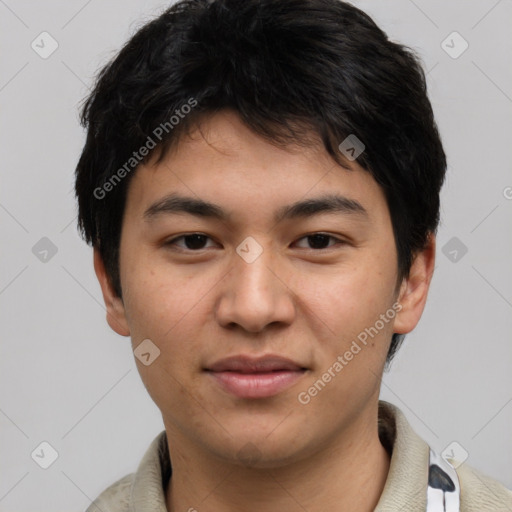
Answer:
[(255, 295)]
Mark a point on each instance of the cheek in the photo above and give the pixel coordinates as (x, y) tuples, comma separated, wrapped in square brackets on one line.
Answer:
[(156, 307), (169, 306), (148, 296), (348, 299), (350, 304), (165, 308)]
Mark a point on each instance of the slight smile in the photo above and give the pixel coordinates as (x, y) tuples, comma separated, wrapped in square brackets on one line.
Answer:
[(249, 377)]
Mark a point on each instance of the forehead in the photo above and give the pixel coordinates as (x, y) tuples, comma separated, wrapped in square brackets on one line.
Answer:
[(223, 161)]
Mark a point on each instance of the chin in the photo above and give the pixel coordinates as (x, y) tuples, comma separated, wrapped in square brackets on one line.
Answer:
[(261, 452), (253, 457)]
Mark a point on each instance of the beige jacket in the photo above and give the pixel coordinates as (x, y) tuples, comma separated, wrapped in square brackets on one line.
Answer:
[(405, 489)]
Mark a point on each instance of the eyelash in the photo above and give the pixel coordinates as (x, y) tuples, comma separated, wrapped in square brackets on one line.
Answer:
[(172, 242)]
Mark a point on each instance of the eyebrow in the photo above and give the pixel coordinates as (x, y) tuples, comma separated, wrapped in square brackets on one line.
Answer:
[(330, 203)]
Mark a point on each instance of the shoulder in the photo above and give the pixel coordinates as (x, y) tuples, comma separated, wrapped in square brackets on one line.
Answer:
[(115, 498), (142, 490), (479, 492)]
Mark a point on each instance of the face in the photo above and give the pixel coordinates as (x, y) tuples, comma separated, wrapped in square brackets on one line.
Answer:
[(259, 301)]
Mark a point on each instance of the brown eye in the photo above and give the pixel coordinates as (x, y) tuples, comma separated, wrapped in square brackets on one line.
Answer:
[(320, 241), (192, 242)]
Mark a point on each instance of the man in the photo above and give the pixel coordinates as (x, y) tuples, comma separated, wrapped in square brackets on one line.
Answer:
[(260, 183)]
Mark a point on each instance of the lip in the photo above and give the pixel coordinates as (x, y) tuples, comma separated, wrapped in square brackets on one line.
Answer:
[(249, 377)]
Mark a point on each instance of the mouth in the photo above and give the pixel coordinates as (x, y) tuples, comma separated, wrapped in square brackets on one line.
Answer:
[(249, 377)]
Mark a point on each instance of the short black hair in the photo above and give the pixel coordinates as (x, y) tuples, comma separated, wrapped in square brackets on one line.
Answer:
[(288, 68)]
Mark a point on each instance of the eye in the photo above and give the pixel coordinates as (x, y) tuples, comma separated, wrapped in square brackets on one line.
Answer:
[(193, 242), (320, 241), (197, 241)]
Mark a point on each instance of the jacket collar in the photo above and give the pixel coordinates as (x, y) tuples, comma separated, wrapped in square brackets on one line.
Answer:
[(405, 489)]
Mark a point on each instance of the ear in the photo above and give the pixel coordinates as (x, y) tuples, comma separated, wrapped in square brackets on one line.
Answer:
[(414, 288), (116, 317)]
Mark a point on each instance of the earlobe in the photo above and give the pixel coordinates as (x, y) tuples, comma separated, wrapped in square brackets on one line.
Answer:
[(414, 289), (116, 317)]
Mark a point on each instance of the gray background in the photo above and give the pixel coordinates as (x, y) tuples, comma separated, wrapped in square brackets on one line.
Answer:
[(68, 380)]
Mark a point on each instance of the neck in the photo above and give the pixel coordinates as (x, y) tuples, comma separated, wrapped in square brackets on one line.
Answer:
[(347, 475)]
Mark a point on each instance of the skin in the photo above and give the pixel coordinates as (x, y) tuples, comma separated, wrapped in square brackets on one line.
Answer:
[(296, 301)]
